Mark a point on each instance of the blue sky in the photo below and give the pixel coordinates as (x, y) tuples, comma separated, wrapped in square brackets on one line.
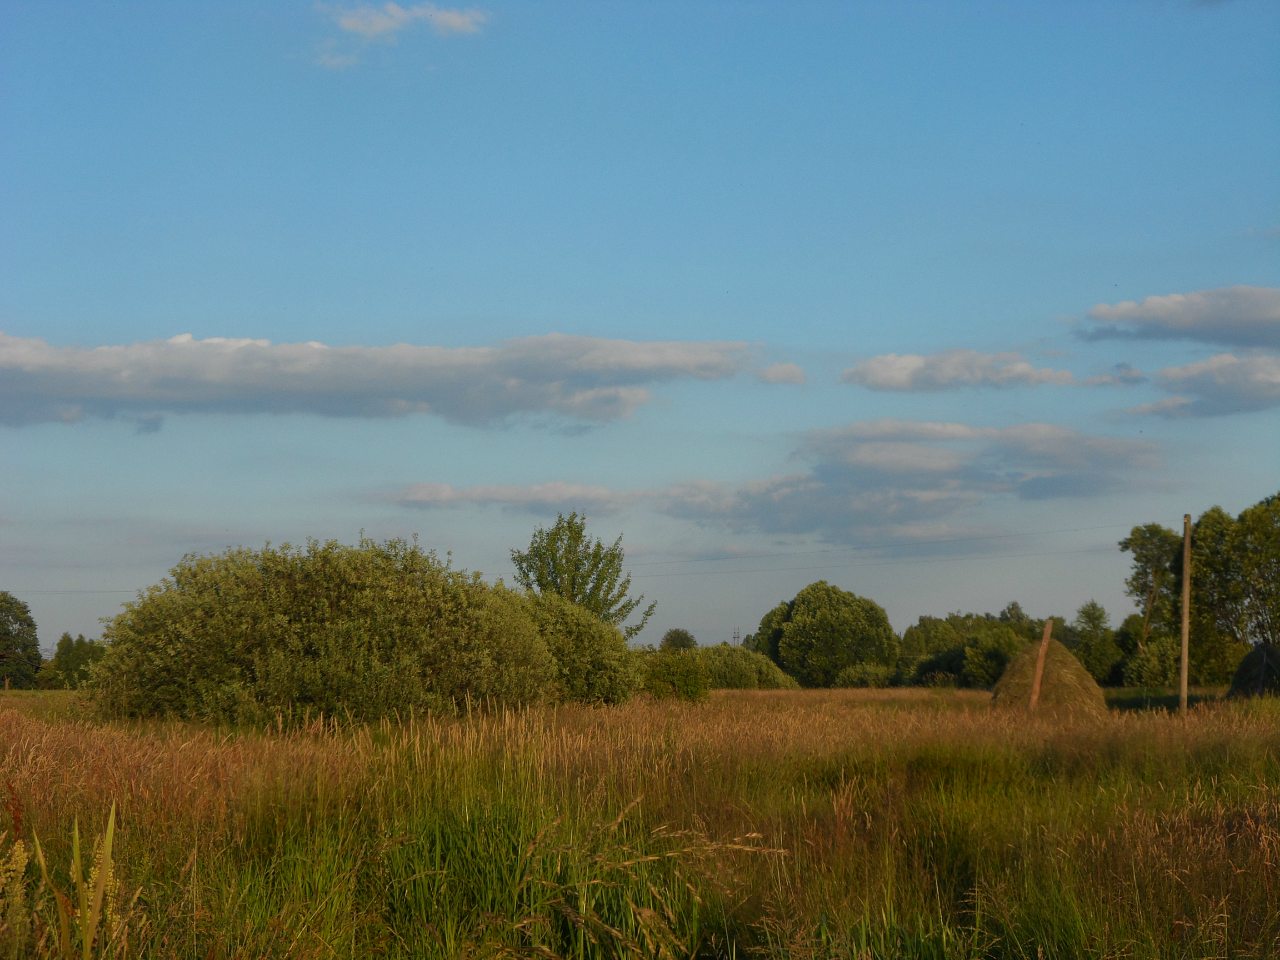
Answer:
[(933, 301)]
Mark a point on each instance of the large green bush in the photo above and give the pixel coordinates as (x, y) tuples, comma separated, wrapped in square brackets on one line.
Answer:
[(358, 631), (593, 662), (822, 631), (678, 674), (735, 668)]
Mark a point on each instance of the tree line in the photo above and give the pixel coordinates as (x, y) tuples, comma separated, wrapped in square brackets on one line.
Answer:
[(387, 626)]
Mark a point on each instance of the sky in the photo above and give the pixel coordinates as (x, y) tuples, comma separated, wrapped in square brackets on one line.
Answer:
[(932, 301)]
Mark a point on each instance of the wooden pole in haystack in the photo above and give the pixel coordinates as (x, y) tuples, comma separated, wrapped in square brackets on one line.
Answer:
[(1186, 612), (1040, 658)]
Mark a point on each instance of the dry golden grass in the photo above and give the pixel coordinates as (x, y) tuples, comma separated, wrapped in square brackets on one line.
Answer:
[(791, 823)]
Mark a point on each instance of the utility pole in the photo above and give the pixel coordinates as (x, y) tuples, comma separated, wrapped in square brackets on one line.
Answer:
[(1186, 611)]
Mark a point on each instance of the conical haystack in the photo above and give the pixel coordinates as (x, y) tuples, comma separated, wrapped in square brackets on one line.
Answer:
[(1258, 673), (1065, 688)]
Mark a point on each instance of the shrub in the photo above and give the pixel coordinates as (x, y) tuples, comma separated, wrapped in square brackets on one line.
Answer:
[(1258, 673), (1065, 687), (735, 668), (358, 631), (865, 675), (1155, 665), (676, 674), (593, 663)]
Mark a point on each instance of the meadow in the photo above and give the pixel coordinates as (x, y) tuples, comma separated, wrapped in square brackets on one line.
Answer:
[(782, 824)]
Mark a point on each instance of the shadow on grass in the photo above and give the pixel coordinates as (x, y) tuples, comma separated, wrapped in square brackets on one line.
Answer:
[(1158, 698)]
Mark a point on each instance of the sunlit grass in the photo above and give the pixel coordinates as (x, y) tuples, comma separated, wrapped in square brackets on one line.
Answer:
[(763, 823)]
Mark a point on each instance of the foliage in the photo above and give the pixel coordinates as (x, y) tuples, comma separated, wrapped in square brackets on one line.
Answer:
[(678, 674), (1235, 585), (1065, 685), (1258, 673), (69, 667), (355, 631), (677, 638), (1152, 582), (19, 646), (769, 634), (736, 668), (865, 675), (593, 663), (822, 631), (1095, 643), (1155, 665), (926, 637), (967, 649), (987, 654), (565, 561)]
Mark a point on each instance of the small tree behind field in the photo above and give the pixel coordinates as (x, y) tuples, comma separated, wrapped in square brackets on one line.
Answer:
[(565, 561), (678, 638), (19, 646)]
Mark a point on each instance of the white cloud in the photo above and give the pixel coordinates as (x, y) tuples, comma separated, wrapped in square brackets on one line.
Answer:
[(1240, 316), (583, 378), (949, 370), (1221, 384), (781, 373), (384, 22)]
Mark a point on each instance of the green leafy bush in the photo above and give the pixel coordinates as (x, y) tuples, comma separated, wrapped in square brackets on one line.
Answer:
[(593, 663), (866, 675), (359, 631), (1155, 665), (678, 674), (736, 668)]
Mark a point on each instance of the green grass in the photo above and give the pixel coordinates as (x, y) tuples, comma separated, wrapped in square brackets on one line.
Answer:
[(786, 824)]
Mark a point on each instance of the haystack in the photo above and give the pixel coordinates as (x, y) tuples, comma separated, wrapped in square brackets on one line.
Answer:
[(1065, 689), (1258, 673)]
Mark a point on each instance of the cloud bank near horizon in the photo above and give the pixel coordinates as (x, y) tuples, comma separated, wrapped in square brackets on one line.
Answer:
[(589, 380), (870, 480)]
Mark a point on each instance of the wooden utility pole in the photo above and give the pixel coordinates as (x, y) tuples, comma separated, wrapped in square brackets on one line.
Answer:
[(1040, 657), (1186, 611)]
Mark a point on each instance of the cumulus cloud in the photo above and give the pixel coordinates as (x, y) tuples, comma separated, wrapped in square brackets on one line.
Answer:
[(879, 480), (1240, 316), (587, 379), (949, 370), (380, 23), (781, 373), (1221, 384)]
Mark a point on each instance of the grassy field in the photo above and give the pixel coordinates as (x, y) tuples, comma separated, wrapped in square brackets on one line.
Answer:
[(772, 824)]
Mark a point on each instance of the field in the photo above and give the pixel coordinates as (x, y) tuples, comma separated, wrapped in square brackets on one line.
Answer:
[(772, 824)]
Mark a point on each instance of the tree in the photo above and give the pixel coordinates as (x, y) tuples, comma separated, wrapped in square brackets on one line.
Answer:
[(678, 638), (1152, 582), (826, 629), (19, 647), (1095, 642), (565, 561), (1258, 556), (69, 667)]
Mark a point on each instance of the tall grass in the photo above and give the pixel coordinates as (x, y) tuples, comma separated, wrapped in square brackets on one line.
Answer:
[(763, 823)]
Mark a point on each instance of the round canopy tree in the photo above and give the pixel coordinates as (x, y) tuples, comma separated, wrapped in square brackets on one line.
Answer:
[(826, 629), (19, 648)]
